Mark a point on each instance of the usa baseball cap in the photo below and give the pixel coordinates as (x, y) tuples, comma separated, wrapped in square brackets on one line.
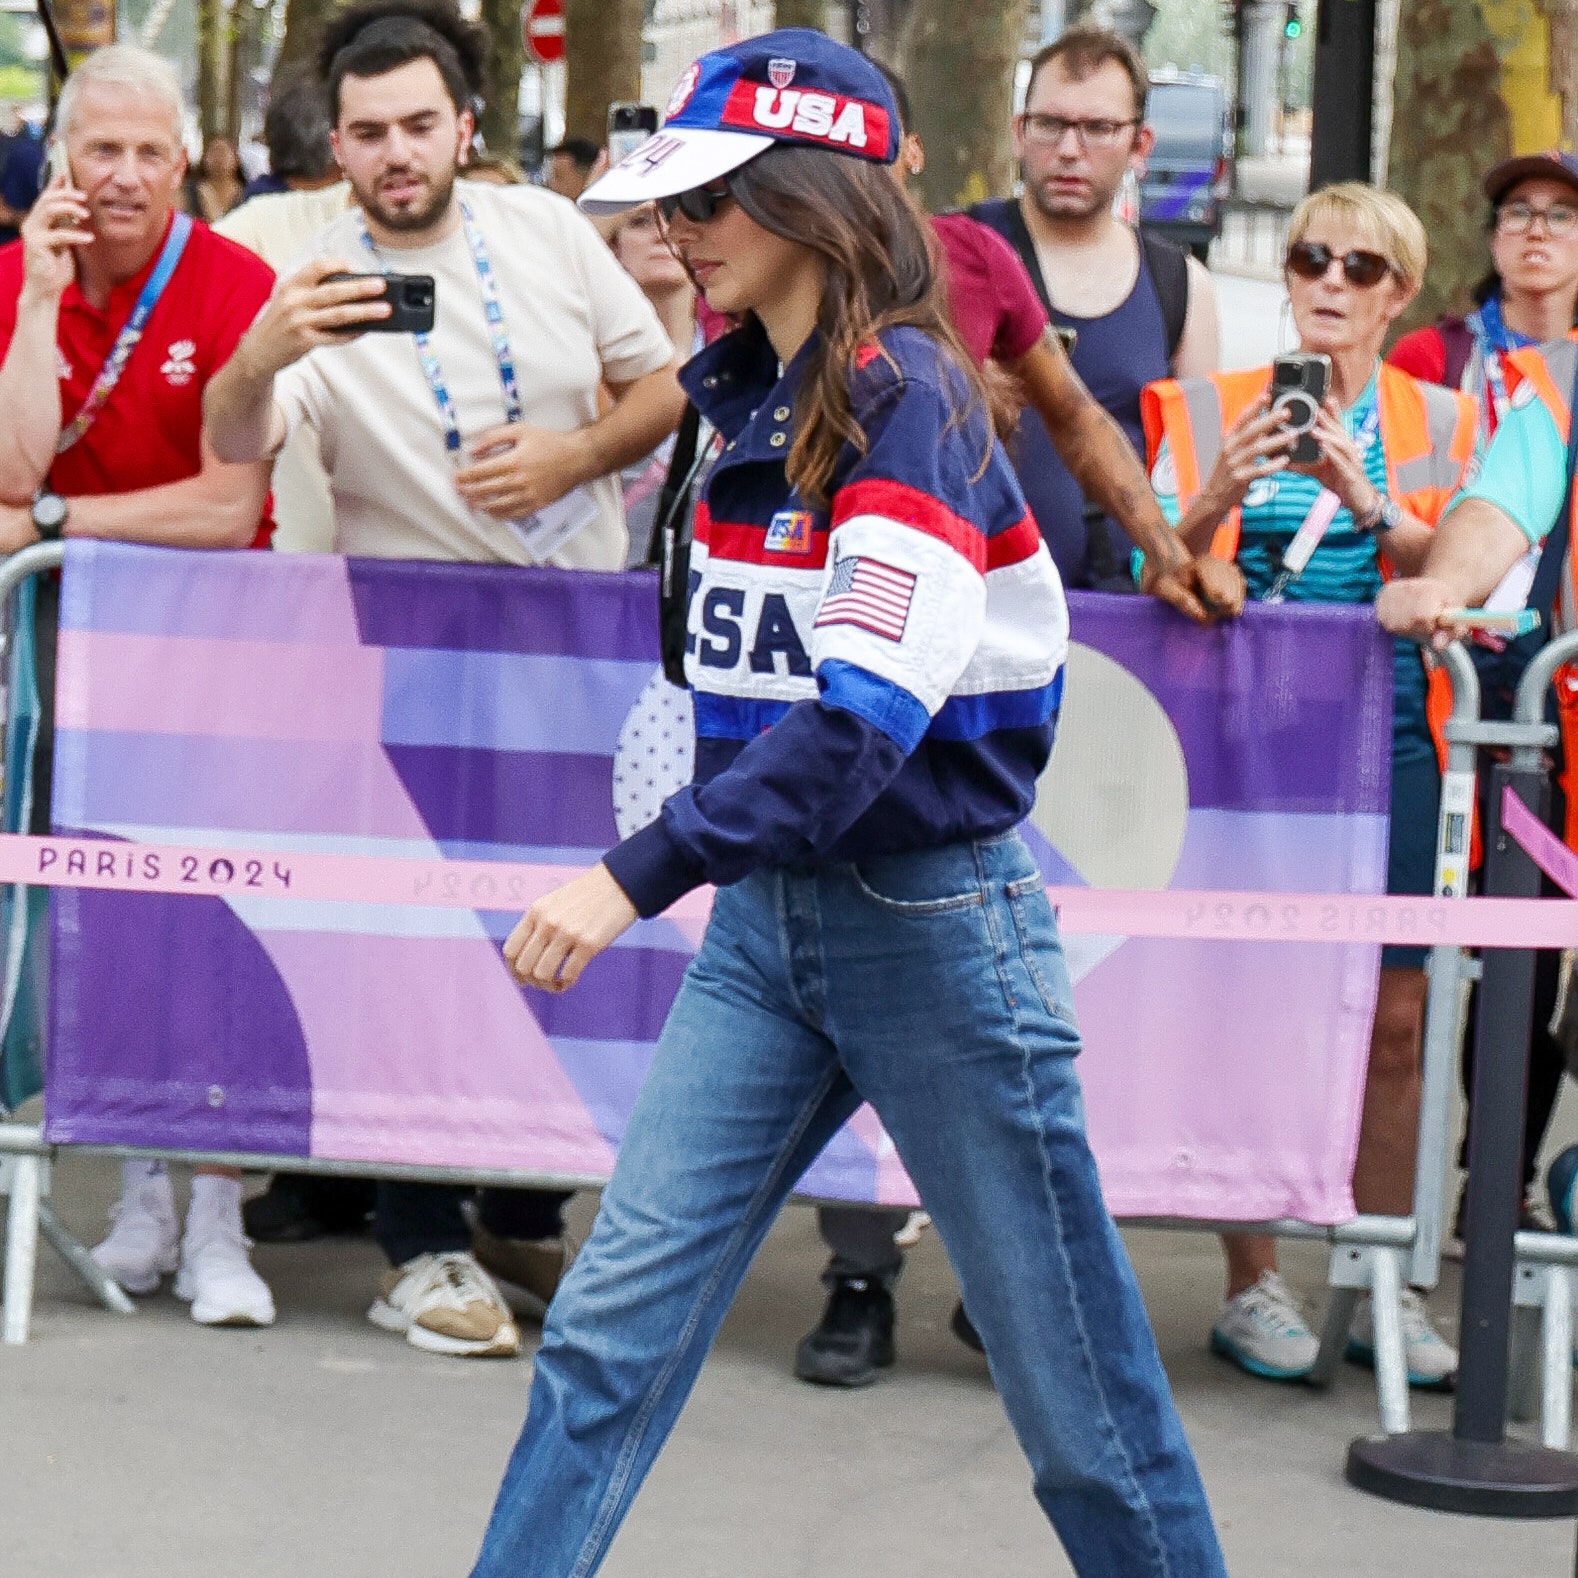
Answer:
[(794, 85), (1552, 165)]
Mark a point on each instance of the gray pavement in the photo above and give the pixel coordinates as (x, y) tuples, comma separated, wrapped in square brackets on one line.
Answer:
[(324, 1448)]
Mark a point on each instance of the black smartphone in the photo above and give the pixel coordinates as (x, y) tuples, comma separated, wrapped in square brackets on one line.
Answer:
[(629, 125), (1299, 382), (412, 299)]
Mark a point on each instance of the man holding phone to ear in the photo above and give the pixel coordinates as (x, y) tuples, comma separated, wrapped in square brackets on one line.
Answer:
[(480, 441), (115, 311)]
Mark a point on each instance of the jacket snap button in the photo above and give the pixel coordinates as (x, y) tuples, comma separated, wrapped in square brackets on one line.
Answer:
[(778, 440), (781, 414), (710, 381)]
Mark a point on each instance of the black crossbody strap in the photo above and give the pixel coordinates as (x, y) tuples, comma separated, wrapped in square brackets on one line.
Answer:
[(1553, 555)]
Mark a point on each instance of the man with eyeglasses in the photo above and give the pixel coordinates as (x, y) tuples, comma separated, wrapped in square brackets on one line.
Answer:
[(1140, 309)]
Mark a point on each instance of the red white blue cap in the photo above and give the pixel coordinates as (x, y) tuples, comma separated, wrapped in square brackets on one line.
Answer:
[(794, 85)]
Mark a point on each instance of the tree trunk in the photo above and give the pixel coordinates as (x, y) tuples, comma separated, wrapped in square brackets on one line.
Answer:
[(602, 49), (961, 60), (303, 25), (210, 67), (801, 13), (501, 118), (1477, 80)]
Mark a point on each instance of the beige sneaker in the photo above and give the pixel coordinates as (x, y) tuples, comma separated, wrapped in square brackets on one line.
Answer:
[(447, 1304), (536, 1266)]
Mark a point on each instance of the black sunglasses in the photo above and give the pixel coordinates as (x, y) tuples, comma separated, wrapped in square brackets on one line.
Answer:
[(698, 205), (1311, 259)]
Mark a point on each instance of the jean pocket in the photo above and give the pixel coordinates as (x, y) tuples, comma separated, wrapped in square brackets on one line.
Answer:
[(1040, 951), (909, 885)]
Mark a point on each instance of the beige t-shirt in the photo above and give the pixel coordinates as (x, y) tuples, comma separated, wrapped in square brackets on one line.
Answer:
[(574, 319), (280, 226)]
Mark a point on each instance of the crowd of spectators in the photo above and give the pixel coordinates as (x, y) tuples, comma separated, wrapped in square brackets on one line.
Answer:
[(537, 427)]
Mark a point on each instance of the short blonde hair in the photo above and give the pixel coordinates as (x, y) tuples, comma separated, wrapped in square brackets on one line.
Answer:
[(1381, 218), (131, 68)]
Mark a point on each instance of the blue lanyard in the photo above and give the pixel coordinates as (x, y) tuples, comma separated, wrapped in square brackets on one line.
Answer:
[(498, 334), (1495, 339), (131, 333)]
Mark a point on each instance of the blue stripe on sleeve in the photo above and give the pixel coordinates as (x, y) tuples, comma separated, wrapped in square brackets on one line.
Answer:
[(974, 717), (885, 706)]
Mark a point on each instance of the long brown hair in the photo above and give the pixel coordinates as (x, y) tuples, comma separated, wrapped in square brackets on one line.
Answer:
[(881, 261)]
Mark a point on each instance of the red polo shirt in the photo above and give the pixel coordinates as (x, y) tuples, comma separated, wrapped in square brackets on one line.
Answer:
[(148, 433)]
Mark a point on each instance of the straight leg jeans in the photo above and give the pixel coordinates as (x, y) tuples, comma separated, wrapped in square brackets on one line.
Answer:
[(933, 986)]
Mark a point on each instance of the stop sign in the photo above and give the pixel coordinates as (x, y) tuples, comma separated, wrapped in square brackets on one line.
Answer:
[(542, 30)]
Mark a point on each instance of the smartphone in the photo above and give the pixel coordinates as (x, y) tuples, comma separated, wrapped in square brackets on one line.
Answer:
[(629, 125), (56, 159), (1299, 382), (412, 300)]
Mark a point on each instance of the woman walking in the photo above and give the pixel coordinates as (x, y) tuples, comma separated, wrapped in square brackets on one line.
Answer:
[(877, 647)]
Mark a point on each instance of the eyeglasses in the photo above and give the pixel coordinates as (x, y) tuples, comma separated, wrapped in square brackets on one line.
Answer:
[(698, 205), (1311, 259), (1050, 130), (1516, 219)]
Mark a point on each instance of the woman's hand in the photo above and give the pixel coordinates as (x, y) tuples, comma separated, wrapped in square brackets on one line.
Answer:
[(565, 930), (1255, 446), (1341, 463)]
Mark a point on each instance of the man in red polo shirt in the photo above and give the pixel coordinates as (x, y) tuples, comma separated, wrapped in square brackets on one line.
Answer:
[(115, 312)]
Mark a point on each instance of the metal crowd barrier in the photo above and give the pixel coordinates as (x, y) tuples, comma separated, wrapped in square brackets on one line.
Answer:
[(1378, 1254)]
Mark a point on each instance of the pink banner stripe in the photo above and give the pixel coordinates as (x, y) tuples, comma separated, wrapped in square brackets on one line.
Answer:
[(1541, 845), (272, 690), (497, 885)]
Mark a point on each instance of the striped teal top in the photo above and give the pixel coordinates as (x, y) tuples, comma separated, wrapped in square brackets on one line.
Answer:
[(1345, 568)]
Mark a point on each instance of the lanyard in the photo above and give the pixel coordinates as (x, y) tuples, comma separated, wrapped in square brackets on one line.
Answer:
[(131, 333), (1322, 513), (498, 334), (1494, 340)]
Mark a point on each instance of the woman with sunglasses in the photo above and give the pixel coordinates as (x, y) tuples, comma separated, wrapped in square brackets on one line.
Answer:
[(1529, 297), (1392, 451), (877, 645)]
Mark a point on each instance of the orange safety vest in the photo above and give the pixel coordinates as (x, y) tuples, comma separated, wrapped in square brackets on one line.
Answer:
[(1548, 370), (1428, 436)]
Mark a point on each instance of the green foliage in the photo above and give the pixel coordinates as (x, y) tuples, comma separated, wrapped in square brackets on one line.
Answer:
[(21, 82), (1191, 33)]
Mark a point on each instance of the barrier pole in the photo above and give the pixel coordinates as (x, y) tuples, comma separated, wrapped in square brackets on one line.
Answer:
[(28, 1210), (1447, 968), (1474, 1468)]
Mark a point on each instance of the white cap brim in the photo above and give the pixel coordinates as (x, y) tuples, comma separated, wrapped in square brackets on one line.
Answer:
[(673, 161)]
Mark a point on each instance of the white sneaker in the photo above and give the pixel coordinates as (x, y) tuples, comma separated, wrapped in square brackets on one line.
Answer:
[(447, 1304), (1431, 1359), (216, 1276), (1262, 1331), (141, 1246)]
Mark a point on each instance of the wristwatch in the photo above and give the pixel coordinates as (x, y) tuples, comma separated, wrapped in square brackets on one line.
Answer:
[(49, 516), (1386, 514)]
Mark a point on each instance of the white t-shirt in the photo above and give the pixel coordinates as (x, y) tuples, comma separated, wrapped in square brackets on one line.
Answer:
[(574, 318)]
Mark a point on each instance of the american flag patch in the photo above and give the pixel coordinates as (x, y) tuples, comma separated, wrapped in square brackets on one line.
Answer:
[(867, 593)]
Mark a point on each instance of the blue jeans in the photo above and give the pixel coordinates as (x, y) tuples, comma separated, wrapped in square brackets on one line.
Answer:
[(933, 986)]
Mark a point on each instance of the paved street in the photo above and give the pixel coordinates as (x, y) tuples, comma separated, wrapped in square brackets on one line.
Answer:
[(324, 1448)]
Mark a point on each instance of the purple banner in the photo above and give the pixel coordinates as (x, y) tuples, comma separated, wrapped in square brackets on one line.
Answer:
[(306, 702)]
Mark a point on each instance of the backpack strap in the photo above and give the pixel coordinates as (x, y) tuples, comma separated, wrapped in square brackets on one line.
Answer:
[(1169, 268), (1007, 218), (1457, 340)]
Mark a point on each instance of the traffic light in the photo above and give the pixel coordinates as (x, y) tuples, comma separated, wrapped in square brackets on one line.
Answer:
[(1294, 24)]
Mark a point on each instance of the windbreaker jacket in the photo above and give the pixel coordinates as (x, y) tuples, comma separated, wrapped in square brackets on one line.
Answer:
[(876, 676)]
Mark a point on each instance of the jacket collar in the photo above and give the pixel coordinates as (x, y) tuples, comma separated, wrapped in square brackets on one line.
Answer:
[(735, 383)]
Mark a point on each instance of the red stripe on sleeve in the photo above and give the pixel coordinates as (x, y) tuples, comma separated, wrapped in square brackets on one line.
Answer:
[(1020, 542), (896, 501)]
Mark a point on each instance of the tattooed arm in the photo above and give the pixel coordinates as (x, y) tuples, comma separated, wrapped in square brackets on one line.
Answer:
[(1102, 461)]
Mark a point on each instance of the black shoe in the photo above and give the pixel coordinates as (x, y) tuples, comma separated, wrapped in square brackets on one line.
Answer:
[(965, 1330), (295, 1209), (854, 1340)]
